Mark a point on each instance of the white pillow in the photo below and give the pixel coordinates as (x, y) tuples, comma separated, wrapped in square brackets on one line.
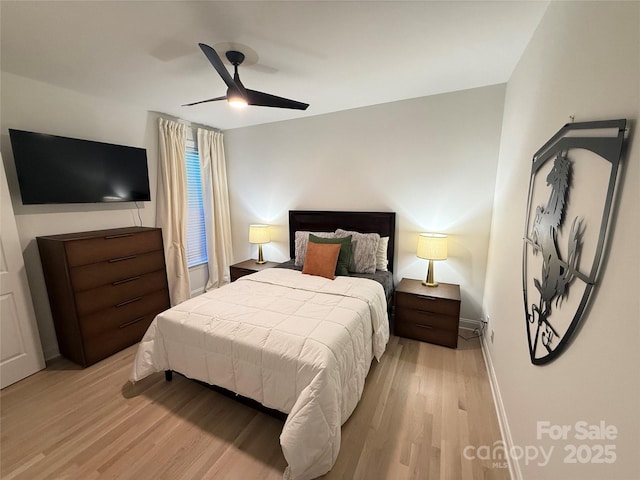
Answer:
[(363, 255), (301, 240), (381, 254)]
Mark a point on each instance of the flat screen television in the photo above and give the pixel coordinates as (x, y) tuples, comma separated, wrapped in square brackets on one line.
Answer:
[(53, 169)]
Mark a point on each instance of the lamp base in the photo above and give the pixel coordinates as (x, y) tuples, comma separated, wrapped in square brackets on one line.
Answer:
[(260, 260), (430, 282)]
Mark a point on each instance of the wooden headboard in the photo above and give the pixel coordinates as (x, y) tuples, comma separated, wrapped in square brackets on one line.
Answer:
[(383, 223)]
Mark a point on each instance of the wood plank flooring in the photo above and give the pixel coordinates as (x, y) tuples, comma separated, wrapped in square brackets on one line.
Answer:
[(422, 405)]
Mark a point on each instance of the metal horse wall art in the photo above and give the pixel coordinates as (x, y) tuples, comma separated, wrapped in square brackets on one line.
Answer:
[(560, 265)]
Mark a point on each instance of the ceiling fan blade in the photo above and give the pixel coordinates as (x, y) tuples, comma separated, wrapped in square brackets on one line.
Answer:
[(267, 100), (205, 101), (215, 60)]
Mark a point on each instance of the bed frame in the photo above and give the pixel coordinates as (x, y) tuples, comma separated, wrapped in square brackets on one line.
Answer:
[(383, 223)]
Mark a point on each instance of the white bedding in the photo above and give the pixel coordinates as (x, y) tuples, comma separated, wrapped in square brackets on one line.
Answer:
[(297, 343)]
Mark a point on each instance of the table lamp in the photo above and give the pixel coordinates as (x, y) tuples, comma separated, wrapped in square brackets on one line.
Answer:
[(259, 234), (432, 246)]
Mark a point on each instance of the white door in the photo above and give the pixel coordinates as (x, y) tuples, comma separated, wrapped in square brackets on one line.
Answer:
[(20, 349)]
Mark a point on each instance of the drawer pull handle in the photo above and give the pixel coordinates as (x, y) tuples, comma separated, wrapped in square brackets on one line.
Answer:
[(131, 322), (127, 302), (120, 259), (121, 235), (426, 297), (424, 326), (131, 279)]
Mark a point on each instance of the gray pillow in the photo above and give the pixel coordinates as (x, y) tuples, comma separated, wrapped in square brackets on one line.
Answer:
[(365, 246), (301, 240)]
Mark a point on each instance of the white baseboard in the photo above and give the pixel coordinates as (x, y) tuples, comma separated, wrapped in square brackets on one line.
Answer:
[(196, 292), (514, 464), (470, 324)]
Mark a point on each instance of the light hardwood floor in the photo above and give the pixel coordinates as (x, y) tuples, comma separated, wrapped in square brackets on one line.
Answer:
[(422, 405)]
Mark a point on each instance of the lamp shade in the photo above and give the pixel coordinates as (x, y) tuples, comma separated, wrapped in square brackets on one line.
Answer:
[(259, 234), (432, 246)]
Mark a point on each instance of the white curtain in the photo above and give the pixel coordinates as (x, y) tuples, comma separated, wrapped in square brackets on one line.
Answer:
[(172, 206), (215, 197)]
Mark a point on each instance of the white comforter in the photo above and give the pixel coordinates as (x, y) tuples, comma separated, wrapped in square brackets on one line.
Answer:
[(297, 343)]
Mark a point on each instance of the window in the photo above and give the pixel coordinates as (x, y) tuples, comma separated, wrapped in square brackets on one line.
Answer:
[(196, 232)]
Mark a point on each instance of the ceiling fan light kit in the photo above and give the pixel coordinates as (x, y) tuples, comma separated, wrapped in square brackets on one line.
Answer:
[(237, 95), (237, 102), (235, 99)]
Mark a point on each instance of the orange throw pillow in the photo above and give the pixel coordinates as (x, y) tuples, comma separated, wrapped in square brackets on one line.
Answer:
[(321, 259)]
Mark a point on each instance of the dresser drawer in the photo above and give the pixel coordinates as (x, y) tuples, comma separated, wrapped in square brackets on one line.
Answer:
[(101, 346), (119, 293), (426, 303), (97, 323), (427, 333), (426, 319), (109, 247), (97, 274)]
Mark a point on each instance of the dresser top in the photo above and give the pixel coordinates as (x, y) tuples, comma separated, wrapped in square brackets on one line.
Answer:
[(97, 233), (448, 291)]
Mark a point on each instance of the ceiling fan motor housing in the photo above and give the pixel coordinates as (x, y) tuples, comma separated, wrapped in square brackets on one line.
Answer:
[(235, 57)]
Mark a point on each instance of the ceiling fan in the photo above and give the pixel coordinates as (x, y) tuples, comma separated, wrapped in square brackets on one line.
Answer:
[(237, 94)]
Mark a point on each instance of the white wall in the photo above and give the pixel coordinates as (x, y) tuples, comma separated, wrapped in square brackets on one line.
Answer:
[(38, 107), (432, 160), (582, 61)]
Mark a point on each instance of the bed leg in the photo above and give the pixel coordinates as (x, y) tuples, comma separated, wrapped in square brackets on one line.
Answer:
[(168, 375)]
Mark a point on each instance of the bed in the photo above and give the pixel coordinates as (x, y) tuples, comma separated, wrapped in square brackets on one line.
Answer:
[(300, 344)]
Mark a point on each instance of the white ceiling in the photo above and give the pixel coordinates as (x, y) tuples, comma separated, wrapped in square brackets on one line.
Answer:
[(334, 55)]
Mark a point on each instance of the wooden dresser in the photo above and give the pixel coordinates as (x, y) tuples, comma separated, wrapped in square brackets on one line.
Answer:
[(105, 287), (430, 314)]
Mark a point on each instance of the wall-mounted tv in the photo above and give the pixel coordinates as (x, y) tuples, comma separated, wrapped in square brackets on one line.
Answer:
[(53, 169)]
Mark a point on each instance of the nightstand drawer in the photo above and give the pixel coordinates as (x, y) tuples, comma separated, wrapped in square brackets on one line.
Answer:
[(248, 267), (236, 273), (426, 319), (427, 333), (427, 303), (429, 314)]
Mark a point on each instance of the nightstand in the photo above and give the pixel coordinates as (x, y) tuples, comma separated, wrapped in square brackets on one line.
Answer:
[(247, 267), (429, 314)]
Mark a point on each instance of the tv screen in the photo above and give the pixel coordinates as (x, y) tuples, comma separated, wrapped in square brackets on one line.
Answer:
[(53, 169)]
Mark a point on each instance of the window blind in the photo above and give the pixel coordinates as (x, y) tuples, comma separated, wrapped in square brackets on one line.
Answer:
[(196, 232)]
